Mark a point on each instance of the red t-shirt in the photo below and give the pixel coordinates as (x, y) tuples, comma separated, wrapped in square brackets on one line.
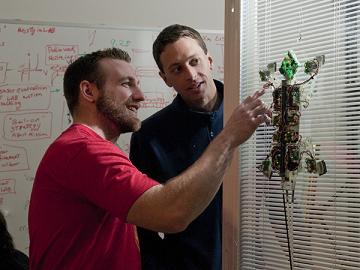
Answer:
[(83, 190)]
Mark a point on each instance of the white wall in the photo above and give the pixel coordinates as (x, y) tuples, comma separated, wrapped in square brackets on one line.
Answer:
[(200, 14)]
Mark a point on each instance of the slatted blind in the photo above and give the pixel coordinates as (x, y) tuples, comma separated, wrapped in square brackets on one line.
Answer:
[(324, 220)]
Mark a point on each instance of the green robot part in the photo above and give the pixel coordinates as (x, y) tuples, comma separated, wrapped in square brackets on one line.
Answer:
[(289, 65)]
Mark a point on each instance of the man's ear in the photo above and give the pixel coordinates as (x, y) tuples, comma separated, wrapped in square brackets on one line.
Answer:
[(163, 76), (88, 91), (210, 61)]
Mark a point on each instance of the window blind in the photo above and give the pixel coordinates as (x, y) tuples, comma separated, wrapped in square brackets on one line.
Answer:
[(324, 219)]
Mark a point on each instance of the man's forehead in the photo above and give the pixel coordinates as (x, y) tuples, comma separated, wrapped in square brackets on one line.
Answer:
[(122, 67), (181, 44), (183, 47), (114, 62)]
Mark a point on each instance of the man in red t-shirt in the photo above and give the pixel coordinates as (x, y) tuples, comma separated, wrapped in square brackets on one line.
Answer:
[(87, 195)]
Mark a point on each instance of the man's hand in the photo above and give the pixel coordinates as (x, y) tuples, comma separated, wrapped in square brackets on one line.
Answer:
[(246, 117)]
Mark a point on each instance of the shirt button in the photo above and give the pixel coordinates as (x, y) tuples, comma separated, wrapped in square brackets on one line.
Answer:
[(211, 134)]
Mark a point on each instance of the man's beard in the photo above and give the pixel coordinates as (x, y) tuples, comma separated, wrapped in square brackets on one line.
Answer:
[(118, 114)]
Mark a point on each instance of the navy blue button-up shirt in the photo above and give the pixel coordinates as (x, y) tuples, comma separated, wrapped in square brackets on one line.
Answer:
[(168, 143)]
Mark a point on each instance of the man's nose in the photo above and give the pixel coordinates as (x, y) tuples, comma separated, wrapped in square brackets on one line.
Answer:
[(138, 94), (191, 73)]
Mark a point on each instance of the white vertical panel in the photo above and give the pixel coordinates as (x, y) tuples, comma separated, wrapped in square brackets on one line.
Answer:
[(231, 100)]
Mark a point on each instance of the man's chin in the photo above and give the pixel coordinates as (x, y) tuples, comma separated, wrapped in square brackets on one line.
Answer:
[(137, 127), (131, 127)]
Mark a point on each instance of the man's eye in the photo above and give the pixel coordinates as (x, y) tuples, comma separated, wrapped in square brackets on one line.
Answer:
[(126, 84), (175, 70), (194, 61)]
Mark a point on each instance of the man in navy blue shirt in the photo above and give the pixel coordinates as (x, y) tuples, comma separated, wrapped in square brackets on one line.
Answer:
[(173, 139)]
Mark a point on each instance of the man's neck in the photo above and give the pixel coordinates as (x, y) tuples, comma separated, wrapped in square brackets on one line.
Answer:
[(212, 105), (104, 132)]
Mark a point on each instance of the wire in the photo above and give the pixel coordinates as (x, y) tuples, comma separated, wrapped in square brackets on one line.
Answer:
[(287, 232)]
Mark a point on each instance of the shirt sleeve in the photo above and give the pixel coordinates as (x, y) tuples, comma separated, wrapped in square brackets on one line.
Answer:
[(105, 176)]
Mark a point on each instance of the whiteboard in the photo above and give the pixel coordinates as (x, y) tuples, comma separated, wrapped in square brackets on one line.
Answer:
[(33, 111)]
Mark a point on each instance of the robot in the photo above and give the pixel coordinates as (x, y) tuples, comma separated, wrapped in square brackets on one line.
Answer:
[(288, 148)]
